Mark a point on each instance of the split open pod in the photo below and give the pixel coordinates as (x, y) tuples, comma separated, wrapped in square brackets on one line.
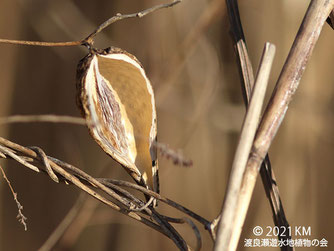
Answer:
[(117, 101)]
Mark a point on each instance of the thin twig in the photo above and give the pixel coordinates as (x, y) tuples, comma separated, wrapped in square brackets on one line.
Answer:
[(37, 43), (76, 181), (196, 231), (5, 151), (161, 198), (119, 17), (142, 208), (228, 227), (82, 180), (170, 231), (245, 66), (42, 118), (46, 163), (92, 181), (22, 219), (54, 168), (89, 39), (79, 172)]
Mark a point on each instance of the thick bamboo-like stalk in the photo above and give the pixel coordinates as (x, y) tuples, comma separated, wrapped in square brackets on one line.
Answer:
[(227, 223), (247, 82), (286, 86)]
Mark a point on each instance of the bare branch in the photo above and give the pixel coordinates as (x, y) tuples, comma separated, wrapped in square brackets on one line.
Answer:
[(89, 39), (196, 231), (42, 118), (119, 17), (46, 163), (161, 198), (11, 154), (22, 219), (37, 43)]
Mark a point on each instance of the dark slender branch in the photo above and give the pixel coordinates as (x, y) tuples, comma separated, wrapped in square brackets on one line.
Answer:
[(41, 154), (330, 19), (161, 198)]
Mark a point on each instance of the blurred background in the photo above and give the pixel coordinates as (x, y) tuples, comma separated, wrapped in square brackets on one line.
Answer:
[(189, 57)]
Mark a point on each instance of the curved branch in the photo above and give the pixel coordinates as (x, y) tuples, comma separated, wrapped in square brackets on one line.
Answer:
[(123, 201), (88, 41)]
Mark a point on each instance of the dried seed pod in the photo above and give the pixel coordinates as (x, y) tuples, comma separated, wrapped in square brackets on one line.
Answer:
[(117, 101)]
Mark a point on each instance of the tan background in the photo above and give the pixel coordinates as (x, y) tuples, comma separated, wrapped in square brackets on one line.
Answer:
[(188, 55)]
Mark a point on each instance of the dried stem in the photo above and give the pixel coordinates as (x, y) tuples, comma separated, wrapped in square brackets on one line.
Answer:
[(42, 118), (286, 86), (61, 171), (11, 154), (247, 79), (291, 74), (20, 216), (161, 198), (228, 225), (122, 200), (245, 66), (88, 41), (119, 17), (37, 43)]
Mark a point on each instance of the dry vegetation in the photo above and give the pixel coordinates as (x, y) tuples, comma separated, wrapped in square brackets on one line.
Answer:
[(188, 53)]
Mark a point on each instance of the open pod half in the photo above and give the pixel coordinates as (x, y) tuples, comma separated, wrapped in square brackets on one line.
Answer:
[(117, 101)]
